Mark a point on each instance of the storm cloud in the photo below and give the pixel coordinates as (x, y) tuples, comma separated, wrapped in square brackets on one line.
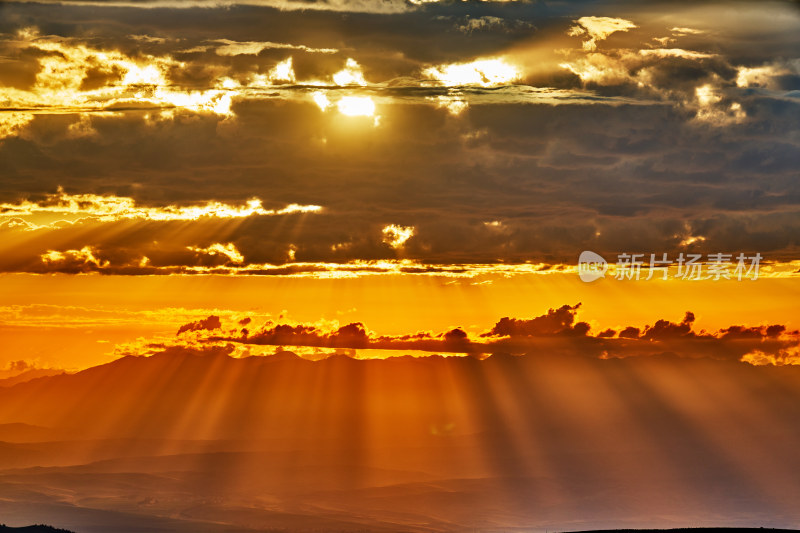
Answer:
[(492, 132)]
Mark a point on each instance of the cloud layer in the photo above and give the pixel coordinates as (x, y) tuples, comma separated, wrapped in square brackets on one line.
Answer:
[(518, 132), (556, 332)]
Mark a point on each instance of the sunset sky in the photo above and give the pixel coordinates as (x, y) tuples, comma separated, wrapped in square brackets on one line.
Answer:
[(399, 265), (409, 166)]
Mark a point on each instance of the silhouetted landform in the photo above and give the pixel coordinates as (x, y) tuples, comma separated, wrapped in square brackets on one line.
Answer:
[(692, 530), (210, 395), (19, 432), (32, 529), (196, 441), (29, 375)]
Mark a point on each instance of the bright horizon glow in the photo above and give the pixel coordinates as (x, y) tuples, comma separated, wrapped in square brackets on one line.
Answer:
[(356, 106), (40, 311), (482, 72)]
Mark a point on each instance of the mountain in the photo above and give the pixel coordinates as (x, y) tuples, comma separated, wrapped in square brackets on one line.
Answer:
[(190, 440), (692, 530), (19, 432), (188, 394), (29, 375), (32, 529)]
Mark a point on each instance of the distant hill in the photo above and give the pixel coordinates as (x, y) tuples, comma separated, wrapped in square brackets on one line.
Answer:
[(29, 375), (19, 432), (189, 394), (33, 529), (691, 530), (199, 442)]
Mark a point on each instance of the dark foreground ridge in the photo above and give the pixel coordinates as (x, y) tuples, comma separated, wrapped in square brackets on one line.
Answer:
[(691, 530), (32, 529)]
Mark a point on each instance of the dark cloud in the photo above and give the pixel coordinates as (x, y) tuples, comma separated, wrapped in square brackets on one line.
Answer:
[(555, 322), (634, 162), (555, 332), (211, 323), (18, 366), (664, 329)]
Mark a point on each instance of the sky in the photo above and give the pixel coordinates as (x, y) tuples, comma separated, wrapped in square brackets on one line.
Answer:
[(415, 168), (399, 264)]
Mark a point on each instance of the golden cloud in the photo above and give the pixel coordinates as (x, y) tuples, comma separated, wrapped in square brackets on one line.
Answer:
[(228, 250), (234, 48), (396, 236), (598, 29), (351, 74), (111, 208), (491, 72), (85, 258), (74, 75)]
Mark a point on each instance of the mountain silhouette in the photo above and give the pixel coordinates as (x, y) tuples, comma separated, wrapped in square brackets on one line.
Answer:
[(196, 440), (32, 529)]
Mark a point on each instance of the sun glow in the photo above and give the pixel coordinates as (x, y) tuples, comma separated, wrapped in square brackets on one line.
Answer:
[(321, 99), (351, 74), (356, 106), (283, 71), (455, 105), (482, 72)]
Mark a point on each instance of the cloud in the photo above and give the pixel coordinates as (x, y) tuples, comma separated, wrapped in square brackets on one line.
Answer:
[(481, 23), (575, 160), (83, 260), (598, 29), (674, 52), (12, 123), (753, 332), (283, 71), (18, 366), (567, 157), (107, 208), (782, 357), (697, 80), (556, 332), (48, 316), (351, 74), (228, 251), (73, 74), (353, 335), (211, 323), (491, 23), (555, 322), (490, 72), (664, 329), (770, 76), (686, 31), (396, 236), (234, 48), (352, 6), (22, 370)]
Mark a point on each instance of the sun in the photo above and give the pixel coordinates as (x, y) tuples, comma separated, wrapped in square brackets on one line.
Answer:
[(356, 106)]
